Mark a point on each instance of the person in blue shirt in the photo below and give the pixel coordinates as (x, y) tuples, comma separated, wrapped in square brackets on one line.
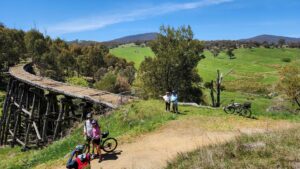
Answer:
[(174, 101)]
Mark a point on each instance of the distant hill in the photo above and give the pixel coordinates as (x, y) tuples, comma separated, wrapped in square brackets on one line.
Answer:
[(271, 39), (134, 38), (83, 42)]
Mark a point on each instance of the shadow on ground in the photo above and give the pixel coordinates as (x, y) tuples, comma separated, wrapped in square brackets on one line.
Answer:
[(112, 155)]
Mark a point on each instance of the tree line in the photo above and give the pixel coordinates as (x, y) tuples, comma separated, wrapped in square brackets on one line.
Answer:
[(61, 61)]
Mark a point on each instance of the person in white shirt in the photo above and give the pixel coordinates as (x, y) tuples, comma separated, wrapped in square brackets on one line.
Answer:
[(88, 130), (167, 99), (174, 100)]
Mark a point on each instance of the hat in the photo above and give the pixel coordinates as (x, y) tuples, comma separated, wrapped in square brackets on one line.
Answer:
[(79, 148)]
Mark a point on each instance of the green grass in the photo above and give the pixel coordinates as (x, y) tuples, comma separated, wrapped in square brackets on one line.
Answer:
[(132, 53), (253, 70), (260, 63), (282, 150)]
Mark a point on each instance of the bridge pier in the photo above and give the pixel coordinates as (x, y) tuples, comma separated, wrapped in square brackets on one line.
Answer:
[(33, 117), (38, 110)]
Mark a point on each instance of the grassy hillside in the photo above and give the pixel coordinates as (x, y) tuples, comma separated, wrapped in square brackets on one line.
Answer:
[(261, 64), (132, 53), (276, 152), (129, 121), (125, 123), (254, 71)]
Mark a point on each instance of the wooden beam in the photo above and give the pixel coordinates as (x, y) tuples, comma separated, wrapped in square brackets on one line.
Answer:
[(37, 130)]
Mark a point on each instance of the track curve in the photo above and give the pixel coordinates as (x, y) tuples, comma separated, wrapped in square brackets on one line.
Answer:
[(20, 72)]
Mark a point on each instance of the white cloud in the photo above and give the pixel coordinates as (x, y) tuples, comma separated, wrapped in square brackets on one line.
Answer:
[(97, 22)]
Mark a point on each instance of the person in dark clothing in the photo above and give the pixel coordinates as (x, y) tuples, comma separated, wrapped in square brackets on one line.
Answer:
[(81, 161)]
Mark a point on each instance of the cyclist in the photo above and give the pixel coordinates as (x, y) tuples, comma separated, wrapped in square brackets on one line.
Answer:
[(81, 161), (88, 130), (96, 139)]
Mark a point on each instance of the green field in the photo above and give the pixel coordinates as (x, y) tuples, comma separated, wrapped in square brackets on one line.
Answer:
[(132, 53), (254, 71), (260, 64)]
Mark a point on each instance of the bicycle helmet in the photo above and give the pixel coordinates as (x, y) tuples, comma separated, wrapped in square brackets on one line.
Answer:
[(79, 148)]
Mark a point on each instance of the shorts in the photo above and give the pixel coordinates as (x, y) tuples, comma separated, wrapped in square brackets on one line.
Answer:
[(88, 139), (96, 141)]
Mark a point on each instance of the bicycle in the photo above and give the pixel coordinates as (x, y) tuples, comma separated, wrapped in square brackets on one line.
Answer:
[(241, 109), (106, 144)]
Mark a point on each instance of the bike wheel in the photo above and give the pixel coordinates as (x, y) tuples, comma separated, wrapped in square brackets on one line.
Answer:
[(247, 113), (229, 109), (109, 145)]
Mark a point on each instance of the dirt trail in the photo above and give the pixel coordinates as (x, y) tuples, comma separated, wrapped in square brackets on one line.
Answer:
[(152, 151)]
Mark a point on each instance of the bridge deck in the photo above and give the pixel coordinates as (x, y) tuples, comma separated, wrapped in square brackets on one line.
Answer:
[(93, 95)]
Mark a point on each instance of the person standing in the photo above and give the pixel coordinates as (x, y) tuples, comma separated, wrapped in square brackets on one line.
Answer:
[(96, 139), (88, 130), (174, 101), (167, 99)]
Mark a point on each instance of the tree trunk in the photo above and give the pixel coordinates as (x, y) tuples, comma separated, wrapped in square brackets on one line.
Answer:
[(297, 101)]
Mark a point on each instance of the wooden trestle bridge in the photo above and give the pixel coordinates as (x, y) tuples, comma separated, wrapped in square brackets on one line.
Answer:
[(38, 110)]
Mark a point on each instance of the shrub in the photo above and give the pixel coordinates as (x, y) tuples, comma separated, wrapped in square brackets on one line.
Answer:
[(207, 85), (122, 84), (79, 81), (107, 83), (286, 60)]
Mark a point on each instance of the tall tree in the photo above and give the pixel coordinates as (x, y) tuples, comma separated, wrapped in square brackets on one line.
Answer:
[(174, 67), (35, 44), (230, 53), (281, 43), (290, 82)]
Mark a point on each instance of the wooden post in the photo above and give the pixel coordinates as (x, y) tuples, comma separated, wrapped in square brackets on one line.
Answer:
[(212, 93), (7, 123), (45, 118), (59, 119), (30, 120), (218, 84), (5, 109), (18, 114)]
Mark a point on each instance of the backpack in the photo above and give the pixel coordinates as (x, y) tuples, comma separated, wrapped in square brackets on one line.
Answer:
[(83, 164)]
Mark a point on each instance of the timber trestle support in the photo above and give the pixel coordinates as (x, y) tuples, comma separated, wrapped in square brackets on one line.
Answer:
[(33, 117)]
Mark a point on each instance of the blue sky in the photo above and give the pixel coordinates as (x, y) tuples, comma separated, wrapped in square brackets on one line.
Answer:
[(108, 19)]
